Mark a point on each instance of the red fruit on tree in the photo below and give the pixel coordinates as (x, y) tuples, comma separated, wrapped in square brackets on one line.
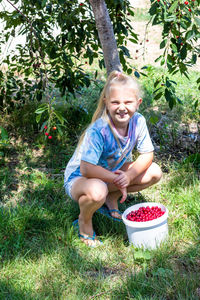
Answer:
[(45, 127), (54, 128), (186, 2), (46, 133), (50, 137)]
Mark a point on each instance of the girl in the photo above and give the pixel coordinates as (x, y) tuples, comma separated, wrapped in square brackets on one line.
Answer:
[(100, 171)]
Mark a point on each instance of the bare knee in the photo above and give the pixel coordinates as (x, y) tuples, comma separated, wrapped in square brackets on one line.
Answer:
[(97, 190), (156, 173)]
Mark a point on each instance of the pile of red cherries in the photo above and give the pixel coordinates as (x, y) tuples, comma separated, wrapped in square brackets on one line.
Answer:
[(144, 214)]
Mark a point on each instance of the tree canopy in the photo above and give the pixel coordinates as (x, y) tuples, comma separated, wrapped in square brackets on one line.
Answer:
[(58, 58)]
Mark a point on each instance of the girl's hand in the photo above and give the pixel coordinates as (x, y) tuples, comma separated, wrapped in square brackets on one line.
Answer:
[(124, 195), (122, 180)]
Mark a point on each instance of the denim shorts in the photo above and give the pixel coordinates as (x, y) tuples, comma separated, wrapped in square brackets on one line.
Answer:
[(68, 185)]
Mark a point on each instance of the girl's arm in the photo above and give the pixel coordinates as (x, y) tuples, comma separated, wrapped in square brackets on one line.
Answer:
[(142, 163), (92, 171)]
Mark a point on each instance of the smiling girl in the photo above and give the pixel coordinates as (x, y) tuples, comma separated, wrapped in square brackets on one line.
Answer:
[(101, 169)]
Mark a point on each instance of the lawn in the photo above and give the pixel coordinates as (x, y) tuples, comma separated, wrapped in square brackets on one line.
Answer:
[(41, 256)]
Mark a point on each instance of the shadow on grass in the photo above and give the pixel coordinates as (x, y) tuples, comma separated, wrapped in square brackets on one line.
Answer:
[(8, 292), (40, 224)]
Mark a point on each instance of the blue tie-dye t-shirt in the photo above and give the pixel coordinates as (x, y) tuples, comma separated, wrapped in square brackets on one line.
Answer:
[(100, 147)]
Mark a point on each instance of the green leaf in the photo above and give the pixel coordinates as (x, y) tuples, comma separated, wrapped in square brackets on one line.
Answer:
[(190, 34), (60, 130), (4, 134), (157, 82), (154, 119), (197, 21), (173, 6), (133, 41), (60, 117), (170, 98), (162, 61), (41, 110), (158, 58), (194, 58), (142, 255), (196, 104), (158, 96), (153, 9), (184, 25), (157, 90), (137, 74), (38, 117), (163, 44), (174, 48), (183, 52)]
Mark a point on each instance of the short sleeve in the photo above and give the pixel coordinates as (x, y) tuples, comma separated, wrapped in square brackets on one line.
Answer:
[(92, 146), (144, 143)]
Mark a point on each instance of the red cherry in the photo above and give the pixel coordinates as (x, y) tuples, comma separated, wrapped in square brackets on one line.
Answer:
[(81, 4), (45, 127), (50, 137), (189, 9), (46, 133), (186, 2), (144, 214), (54, 128)]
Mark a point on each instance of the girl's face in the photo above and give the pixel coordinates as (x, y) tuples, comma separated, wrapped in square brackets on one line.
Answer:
[(121, 104)]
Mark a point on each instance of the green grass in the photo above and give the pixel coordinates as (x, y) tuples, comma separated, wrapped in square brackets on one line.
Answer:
[(41, 257)]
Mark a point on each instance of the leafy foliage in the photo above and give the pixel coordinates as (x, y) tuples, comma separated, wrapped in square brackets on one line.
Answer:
[(181, 31), (61, 37), (4, 140)]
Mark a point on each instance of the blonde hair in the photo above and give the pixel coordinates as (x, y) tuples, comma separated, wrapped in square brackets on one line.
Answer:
[(115, 78)]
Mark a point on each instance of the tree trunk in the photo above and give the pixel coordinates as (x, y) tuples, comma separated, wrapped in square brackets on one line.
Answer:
[(106, 35)]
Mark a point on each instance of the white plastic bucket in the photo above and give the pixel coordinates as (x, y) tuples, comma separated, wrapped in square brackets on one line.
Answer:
[(149, 234)]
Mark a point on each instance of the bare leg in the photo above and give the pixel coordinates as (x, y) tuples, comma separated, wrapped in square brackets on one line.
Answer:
[(112, 203), (90, 195)]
